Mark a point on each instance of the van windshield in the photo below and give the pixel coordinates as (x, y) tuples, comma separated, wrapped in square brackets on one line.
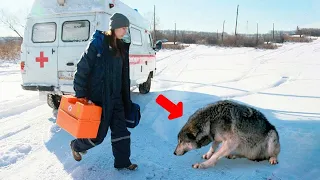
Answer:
[(74, 31)]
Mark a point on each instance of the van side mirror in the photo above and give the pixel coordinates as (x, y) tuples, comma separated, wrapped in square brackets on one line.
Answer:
[(156, 49), (158, 46)]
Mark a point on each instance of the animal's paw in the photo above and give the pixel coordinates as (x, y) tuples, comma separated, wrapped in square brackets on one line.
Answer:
[(231, 156), (197, 166), (206, 156), (273, 161), (200, 166)]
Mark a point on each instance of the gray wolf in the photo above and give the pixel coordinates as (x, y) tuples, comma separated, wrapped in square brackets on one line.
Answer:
[(242, 131)]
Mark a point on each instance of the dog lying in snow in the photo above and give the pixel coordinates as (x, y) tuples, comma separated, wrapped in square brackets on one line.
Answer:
[(242, 130)]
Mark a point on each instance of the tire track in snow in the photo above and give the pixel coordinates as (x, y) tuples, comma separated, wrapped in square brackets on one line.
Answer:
[(14, 154), (176, 68), (227, 54), (14, 132), (19, 106), (177, 53), (22, 137), (172, 63), (20, 121), (262, 61), (246, 74), (186, 64), (316, 50), (274, 85)]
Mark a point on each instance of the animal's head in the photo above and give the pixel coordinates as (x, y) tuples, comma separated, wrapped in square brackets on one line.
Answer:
[(186, 142), (192, 137)]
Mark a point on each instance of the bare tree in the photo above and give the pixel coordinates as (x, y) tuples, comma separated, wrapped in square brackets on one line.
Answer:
[(10, 21), (150, 18), (298, 31), (310, 31)]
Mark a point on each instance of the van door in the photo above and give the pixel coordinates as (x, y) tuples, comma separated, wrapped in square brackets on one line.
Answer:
[(151, 61), (127, 39), (75, 35), (41, 62), (138, 55)]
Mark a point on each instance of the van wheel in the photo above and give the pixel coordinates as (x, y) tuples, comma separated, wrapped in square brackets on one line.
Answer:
[(53, 100), (144, 88)]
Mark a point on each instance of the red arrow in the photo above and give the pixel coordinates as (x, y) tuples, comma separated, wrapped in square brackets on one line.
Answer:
[(175, 111)]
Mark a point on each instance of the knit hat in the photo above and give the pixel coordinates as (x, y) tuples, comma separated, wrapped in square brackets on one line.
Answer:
[(118, 20)]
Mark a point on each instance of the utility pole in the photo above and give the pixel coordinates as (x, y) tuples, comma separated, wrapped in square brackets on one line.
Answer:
[(247, 27), (257, 33), (217, 34), (273, 33), (235, 32), (175, 32), (223, 30), (154, 24)]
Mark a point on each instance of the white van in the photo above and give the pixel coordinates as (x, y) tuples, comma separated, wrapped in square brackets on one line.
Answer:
[(57, 33)]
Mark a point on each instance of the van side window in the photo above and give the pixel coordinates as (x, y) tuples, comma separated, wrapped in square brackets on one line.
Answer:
[(75, 31), (150, 41), (136, 37), (127, 37), (44, 32)]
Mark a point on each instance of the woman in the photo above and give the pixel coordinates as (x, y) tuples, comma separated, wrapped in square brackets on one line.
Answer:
[(102, 76)]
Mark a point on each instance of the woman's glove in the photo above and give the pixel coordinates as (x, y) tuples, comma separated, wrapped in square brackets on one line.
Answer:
[(134, 116), (84, 100)]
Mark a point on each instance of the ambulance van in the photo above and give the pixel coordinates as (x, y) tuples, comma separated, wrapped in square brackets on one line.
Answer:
[(57, 33)]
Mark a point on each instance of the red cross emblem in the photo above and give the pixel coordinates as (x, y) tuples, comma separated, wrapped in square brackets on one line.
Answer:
[(41, 59)]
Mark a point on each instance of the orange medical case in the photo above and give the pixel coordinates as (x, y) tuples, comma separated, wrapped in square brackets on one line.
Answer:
[(78, 118)]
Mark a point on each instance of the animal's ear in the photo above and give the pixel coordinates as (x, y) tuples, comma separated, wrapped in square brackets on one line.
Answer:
[(191, 136), (193, 132)]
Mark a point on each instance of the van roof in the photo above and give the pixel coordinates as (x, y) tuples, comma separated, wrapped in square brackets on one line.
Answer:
[(45, 8)]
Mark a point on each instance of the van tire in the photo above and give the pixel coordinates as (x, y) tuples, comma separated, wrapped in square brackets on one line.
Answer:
[(53, 100), (144, 88)]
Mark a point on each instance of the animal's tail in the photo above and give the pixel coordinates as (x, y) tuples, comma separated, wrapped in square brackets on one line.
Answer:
[(273, 143)]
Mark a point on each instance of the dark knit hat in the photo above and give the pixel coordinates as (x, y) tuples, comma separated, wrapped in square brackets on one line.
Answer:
[(118, 20)]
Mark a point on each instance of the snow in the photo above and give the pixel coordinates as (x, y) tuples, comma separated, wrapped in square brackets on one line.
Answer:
[(12, 155), (282, 83), (41, 7)]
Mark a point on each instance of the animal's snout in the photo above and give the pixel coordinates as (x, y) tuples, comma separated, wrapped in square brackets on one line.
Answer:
[(180, 150)]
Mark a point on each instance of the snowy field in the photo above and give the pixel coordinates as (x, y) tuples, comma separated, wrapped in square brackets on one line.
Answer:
[(284, 84)]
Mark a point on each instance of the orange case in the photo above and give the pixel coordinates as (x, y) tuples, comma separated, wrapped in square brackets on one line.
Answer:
[(80, 119)]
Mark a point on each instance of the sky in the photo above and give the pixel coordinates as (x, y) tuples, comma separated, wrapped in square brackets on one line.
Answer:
[(208, 15)]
